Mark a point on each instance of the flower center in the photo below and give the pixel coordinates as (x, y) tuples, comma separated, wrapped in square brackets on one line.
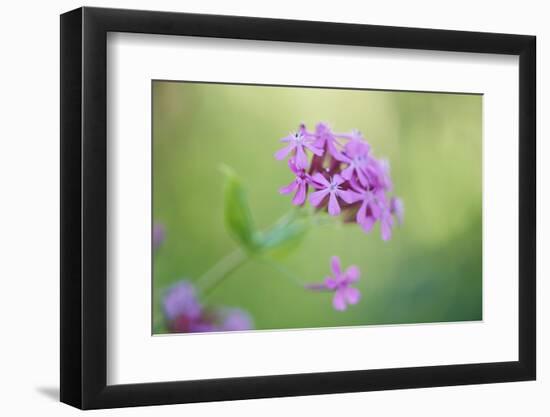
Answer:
[(298, 138), (359, 160), (333, 187), (369, 196)]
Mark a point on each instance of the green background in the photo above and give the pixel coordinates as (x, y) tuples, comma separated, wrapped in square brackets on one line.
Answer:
[(430, 271)]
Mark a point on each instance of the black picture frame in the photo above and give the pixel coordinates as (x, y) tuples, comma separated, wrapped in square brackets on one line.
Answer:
[(84, 207)]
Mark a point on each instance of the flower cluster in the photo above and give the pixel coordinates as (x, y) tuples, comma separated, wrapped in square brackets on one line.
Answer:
[(343, 176), (185, 314)]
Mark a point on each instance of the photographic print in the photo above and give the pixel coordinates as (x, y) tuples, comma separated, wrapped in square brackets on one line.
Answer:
[(376, 192), (285, 207)]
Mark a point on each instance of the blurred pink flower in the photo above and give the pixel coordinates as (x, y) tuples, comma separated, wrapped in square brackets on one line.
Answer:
[(340, 283), (185, 314), (159, 234)]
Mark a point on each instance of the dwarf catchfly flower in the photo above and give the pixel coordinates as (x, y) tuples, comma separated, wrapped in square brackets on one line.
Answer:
[(298, 142), (299, 186), (340, 283), (331, 187)]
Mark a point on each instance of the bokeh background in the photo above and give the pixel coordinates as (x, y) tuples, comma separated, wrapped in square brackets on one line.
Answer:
[(430, 271)]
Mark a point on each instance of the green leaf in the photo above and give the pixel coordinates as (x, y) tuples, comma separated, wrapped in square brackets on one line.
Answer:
[(285, 236), (238, 218)]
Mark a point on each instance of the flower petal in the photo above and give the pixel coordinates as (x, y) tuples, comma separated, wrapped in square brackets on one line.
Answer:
[(361, 216), (353, 273), (335, 265), (375, 209), (352, 295), (397, 208), (330, 283), (347, 173), (236, 319), (287, 189), (318, 178), (356, 147), (368, 224), (301, 157), (336, 154), (385, 228), (333, 206), (293, 168), (339, 300), (317, 151), (283, 153), (337, 179), (349, 197), (317, 197), (362, 177), (300, 195)]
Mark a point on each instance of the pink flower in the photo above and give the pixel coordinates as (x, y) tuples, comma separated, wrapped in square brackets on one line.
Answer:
[(234, 319), (185, 314), (353, 135), (356, 154), (327, 140), (299, 185), (181, 301), (298, 142), (380, 174), (340, 283), (370, 210), (333, 190)]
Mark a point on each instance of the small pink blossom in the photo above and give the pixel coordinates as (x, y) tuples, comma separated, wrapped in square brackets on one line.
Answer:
[(380, 171), (331, 188), (357, 156), (185, 314), (340, 283), (299, 186), (326, 140), (370, 210), (298, 142)]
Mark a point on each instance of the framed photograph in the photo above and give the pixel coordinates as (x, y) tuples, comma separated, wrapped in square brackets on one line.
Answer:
[(257, 208)]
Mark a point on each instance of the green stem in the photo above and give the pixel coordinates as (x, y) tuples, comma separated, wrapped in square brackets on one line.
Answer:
[(283, 270), (220, 271)]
